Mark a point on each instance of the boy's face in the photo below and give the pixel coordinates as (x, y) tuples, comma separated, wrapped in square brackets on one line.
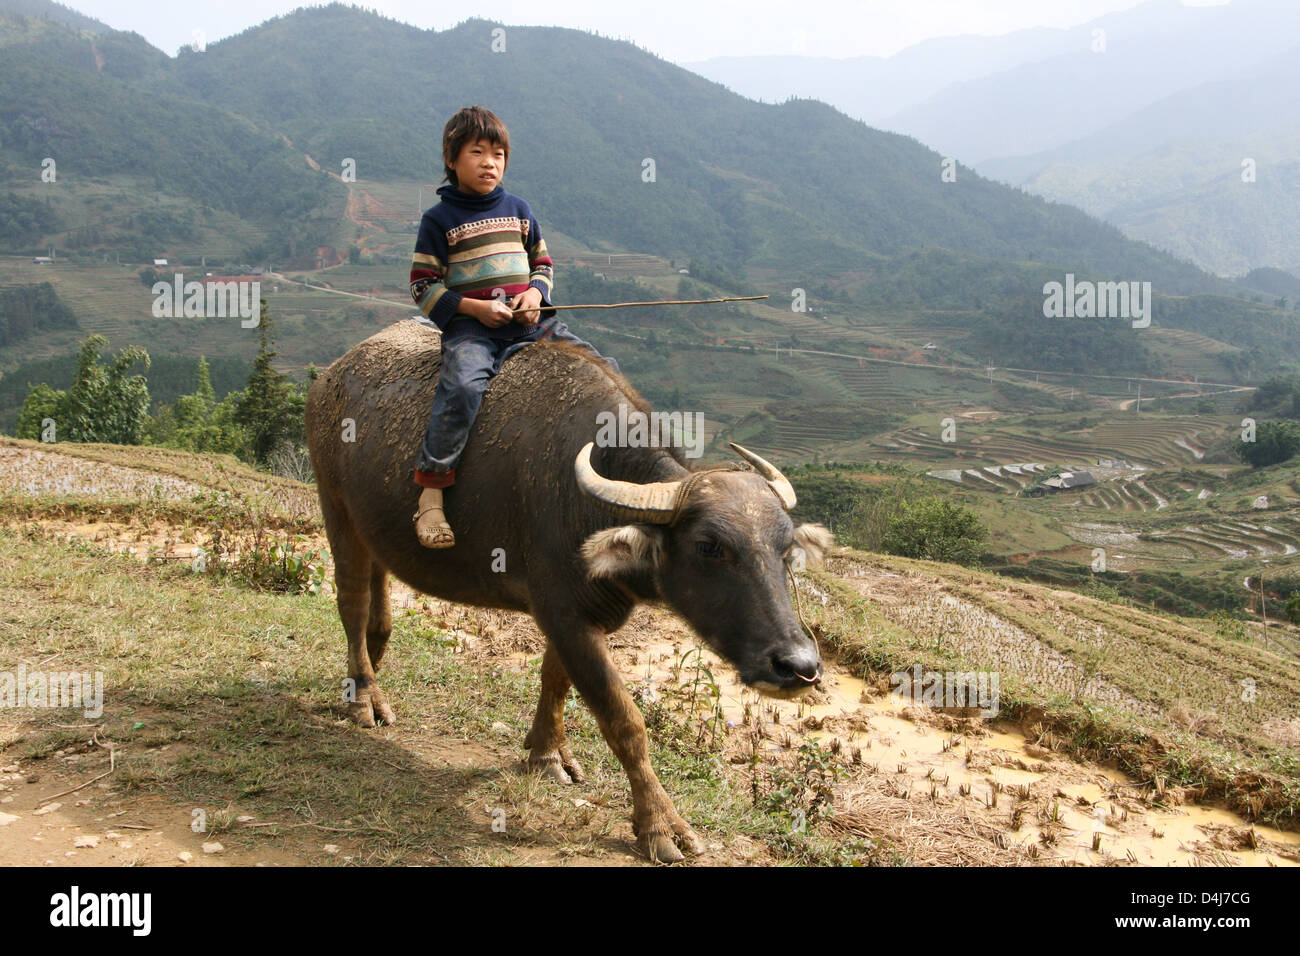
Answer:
[(480, 166)]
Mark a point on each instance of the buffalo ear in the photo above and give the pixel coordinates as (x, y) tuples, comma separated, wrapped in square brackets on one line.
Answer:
[(623, 552), (815, 541)]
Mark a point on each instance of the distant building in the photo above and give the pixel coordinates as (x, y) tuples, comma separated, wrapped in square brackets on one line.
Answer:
[(160, 262), (43, 260), (1112, 463), (683, 272), (1069, 480), (929, 347)]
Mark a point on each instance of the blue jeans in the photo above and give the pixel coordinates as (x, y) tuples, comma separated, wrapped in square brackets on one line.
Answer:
[(468, 364)]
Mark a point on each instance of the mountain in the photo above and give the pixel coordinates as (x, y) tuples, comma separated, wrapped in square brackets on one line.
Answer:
[(234, 155), (879, 90), (110, 108), (1172, 174), (1040, 105), (242, 153), (973, 96), (1274, 282), (1149, 135), (872, 88), (56, 12), (337, 82)]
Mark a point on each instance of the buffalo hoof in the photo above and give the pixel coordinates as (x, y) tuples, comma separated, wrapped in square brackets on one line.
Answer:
[(371, 708), (382, 710), (558, 764), (661, 847)]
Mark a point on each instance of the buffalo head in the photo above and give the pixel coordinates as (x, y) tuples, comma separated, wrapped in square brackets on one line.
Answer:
[(716, 546)]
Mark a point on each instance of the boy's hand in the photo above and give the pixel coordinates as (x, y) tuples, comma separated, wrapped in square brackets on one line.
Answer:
[(530, 297), (493, 313)]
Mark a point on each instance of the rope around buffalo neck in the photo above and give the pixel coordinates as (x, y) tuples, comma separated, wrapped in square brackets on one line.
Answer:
[(798, 610)]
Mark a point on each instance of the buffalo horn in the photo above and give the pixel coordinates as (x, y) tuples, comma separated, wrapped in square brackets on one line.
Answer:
[(775, 480), (653, 503)]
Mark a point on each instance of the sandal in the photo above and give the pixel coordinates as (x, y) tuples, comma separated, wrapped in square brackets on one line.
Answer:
[(439, 536)]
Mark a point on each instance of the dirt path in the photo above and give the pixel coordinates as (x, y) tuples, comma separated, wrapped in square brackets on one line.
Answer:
[(100, 825)]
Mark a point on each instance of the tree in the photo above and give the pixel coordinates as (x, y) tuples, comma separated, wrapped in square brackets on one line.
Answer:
[(42, 403), (271, 408), (194, 409), (935, 530), (1274, 442), (103, 404), (198, 422)]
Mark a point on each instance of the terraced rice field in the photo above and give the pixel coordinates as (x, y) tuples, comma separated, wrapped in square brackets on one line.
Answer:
[(1234, 538), (109, 302), (1149, 442), (1122, 492), (1123, 495), (735, 407), (1191, 353), (621, 265), (1195, 538), (1193, 340), (796, 441), (877, 384)]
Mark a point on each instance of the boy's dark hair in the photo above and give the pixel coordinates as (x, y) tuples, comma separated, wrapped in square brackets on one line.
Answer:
[(468, 126)]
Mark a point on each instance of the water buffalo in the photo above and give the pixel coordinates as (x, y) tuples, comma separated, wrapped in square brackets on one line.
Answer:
[(546, 523)]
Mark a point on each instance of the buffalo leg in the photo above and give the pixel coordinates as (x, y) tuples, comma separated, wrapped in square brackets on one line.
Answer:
[(550, 752), (353, 578), (379, 623), (658, 827)]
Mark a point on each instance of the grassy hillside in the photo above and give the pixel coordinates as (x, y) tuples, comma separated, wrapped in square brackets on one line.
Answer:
[(234, 655)]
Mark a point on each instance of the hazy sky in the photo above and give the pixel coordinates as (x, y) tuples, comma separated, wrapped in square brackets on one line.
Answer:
[(677, 30)]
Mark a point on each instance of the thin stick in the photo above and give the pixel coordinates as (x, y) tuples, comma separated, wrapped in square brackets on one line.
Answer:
[(75, 789), (625, 305)]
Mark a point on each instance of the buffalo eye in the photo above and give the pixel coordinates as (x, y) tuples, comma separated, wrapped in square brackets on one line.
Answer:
[(709, 549)]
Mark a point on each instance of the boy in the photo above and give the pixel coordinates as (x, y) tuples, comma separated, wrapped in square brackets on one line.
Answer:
[(478, 246)]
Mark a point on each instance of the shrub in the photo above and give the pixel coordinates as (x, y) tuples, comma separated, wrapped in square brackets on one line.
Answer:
[(935, 530), (1274, 442)]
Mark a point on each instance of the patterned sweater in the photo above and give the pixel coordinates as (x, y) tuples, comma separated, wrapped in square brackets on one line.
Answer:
[(472, 246)]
